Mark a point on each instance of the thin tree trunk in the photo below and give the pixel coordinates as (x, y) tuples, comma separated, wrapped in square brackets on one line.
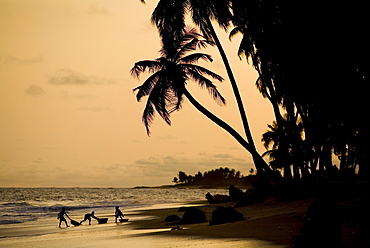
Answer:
[(260, 164), (218, 121), (233, 85), (283, 144)]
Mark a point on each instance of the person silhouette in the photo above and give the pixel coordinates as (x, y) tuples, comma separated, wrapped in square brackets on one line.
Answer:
[(61, 217), (118, 214), (88, 217)]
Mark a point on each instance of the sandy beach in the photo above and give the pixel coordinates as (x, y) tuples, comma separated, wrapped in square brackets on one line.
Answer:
[(270, 224), (266, 225)]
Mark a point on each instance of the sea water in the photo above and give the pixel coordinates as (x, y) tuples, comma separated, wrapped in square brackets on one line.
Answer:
[(18, 205)]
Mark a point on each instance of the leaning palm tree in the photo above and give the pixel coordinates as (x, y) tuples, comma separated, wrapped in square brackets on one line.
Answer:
[(171, 72), (169, 17), (166, 87)]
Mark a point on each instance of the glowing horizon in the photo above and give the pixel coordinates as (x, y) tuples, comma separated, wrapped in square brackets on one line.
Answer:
[(70, 118)]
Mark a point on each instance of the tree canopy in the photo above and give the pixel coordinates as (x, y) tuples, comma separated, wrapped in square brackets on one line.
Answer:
[(221, 177), (313, 67)]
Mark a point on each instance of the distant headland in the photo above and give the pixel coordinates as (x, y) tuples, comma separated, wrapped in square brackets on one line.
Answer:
[(214, 179)]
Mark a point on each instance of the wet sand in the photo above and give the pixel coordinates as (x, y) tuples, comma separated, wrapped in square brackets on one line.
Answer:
[(270, 224)]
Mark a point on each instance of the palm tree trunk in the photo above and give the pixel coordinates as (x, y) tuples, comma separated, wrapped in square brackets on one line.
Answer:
[(233, 85), (260, 163), (218, 121)]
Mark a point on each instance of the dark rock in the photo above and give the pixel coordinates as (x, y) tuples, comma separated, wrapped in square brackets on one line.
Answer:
[(251, 196), (191, 215), (216, 199), (235, 194), (172, 218), (223, 215)]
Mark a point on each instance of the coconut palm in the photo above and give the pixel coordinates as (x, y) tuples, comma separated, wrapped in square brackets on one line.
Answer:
[(279, 158), (169, 18), (165, 88)]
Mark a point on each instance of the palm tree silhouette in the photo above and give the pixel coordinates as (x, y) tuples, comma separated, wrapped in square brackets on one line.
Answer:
[(169, 17), (166, 87)]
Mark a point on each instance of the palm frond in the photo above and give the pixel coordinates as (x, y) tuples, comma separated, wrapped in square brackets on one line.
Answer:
[(150, 66), (192, 33), (157, 99), (261, 86), (147, 86), (235, 31), (148, 116), (221, 13), (203, 71), (267, 153), (174, 101), (180, 99), (189, 34), (274, 155), (162, 100), (193, 58), (204, 82), (166, 86), (169, 17), (246, 47), (190, 42)]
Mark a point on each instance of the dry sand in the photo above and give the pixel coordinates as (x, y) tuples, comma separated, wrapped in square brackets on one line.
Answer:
[(270, 224)]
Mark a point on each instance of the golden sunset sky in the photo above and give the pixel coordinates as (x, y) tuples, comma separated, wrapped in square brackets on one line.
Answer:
[(69, 117)]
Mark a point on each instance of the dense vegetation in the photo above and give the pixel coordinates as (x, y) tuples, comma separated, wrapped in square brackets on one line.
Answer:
[(313, 67), (312, 58), (217, 177)]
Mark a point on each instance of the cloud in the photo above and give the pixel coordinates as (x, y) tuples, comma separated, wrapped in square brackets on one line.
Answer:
[(167, 137), (97, 10), (92, 9), (94, 109), (170, 160), (168, 166), (14, 60), (66, 95), (114, 167), (34, 91), (222, 156), (150, 160), (37, 161), (165, 161), (69, 77), (226, 160)]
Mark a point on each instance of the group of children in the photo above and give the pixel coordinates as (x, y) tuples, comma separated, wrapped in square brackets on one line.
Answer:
[(88, 216)]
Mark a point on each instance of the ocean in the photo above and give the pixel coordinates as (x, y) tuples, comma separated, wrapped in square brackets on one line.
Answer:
[(19, 205)]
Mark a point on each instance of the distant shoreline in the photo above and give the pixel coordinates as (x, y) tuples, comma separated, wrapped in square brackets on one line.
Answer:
[(180, 186), (198, 186)]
